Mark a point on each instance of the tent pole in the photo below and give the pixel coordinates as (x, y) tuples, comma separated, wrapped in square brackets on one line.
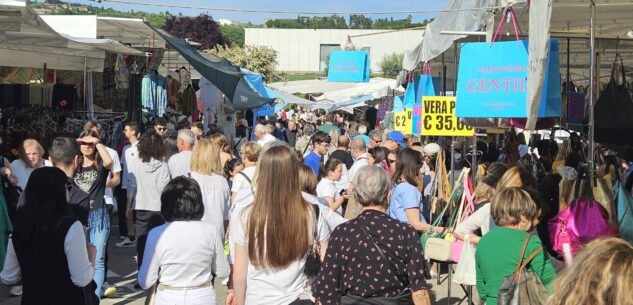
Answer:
[(592, 71), (85, 70)]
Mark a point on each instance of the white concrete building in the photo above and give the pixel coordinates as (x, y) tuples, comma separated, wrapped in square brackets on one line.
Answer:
[(305, 50)]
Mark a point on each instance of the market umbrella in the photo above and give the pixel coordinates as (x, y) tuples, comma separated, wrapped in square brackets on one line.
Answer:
[(221, 73)]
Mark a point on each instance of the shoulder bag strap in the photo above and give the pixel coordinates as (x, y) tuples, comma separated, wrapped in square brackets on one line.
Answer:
[(403, 278), (246, 177), (525, 244), (527, 261)]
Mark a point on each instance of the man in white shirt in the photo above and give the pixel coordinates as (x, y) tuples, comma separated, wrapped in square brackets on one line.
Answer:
[(131, 132), (359, 153), (244, 179), (179, 163), (264, 134)]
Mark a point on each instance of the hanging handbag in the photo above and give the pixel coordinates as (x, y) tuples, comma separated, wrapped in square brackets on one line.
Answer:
[(405, 297), (468, 207), (624, 210), (581, 222), (466, 270), (313, 259), (523, 287), (613, 110)]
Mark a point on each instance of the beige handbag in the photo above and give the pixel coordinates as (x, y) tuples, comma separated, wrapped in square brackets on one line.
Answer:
[(438, 249)]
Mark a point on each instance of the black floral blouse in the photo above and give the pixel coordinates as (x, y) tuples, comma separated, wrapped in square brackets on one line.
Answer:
[(353, 265)]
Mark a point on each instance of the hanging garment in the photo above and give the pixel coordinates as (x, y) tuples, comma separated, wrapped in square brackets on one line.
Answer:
[(134, 108), (64, 97), (209, 98), (88, 98), (187, 101), (121, 78), (154, 94)]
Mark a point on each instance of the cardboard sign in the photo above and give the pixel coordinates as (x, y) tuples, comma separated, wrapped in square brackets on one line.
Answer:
[(348, 66), (403, 121), (492, 81), (438, 118)]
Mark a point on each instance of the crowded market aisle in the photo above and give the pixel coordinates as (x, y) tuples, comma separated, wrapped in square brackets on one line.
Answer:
[(123, 274)]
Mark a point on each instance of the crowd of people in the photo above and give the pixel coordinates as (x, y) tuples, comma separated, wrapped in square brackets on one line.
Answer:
[(302, 211)]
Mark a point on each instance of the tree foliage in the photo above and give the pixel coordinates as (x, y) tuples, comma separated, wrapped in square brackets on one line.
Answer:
[(338, 22), (391, 64), (234, 33), (261, 60), (201, 29)]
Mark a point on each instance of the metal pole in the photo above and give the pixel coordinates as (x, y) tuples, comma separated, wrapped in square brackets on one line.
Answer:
[(454, 94), (85, 71), (473, 167), (592, 71)]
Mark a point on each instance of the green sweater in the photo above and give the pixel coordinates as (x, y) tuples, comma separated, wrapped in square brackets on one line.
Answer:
[(497, 256)]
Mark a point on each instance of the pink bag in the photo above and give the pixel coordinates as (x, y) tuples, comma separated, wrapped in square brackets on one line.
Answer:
[(457, 245), (578, 224)]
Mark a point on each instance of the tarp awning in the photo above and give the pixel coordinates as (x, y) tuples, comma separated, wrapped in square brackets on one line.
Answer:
[(221, 73), (26, 40)]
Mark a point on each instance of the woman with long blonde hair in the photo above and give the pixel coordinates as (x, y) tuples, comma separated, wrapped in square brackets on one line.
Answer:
[(207, 170), (274, 234), (226, 152), (599, 275)]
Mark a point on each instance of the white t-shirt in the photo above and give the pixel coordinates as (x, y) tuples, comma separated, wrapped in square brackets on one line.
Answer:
[(481, 219), (179, 164), (267, 286), (358, 164), (266, 139), (240, 183), (116, 168), (166, 261), (216, 197), (328, 188)]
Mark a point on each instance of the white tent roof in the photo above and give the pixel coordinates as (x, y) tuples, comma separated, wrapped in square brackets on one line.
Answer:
[(26, 40), (334, 95)]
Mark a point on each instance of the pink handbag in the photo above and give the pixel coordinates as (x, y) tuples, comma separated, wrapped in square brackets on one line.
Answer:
[(578, 224), (457, 245)]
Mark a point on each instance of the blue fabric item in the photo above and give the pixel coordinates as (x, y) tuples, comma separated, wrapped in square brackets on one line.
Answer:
[(404, 196), (154, 94), (98, 232), (424, 87), (409, 97), (364, 137), (398, 104), (312, 160)]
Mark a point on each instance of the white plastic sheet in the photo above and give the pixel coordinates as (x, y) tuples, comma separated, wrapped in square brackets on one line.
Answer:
[(540, 16)]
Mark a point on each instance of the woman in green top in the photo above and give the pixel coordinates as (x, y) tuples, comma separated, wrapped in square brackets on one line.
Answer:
[(515, 214)]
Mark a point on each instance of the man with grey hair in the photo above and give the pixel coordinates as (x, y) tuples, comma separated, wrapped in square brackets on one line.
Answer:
[(179, 163), (264, 134), (359, 153), (375, 138)]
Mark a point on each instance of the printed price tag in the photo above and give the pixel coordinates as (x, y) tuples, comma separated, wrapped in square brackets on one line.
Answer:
[(437, 118)]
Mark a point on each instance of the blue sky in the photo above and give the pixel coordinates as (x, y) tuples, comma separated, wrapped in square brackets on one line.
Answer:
[(297, 5)]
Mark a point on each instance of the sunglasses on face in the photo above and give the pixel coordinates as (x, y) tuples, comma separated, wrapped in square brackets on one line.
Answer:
[(391, 161), (377, 141), (86, 143)]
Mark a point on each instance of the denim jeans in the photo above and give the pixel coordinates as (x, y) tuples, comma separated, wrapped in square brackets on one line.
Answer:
[(98, 232)]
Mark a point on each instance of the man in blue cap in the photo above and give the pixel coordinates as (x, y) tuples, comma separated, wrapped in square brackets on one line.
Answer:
[(394, 140)]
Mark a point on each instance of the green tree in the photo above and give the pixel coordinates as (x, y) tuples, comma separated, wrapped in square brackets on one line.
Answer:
[(391, 64), (261, 60), (234, 33)]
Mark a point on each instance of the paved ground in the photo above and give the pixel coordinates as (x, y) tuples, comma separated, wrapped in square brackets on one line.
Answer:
[(122, 274)]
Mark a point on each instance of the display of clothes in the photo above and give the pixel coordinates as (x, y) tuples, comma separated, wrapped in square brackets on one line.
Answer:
[(18, 95), (154, 94)]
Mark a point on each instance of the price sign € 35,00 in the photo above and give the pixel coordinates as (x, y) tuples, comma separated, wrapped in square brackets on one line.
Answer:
[(437, 118)]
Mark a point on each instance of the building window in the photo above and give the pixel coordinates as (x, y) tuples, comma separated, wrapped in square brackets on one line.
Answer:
[(326, 49)]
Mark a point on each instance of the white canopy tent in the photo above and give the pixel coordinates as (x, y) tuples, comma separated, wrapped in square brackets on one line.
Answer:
[(26, 40), (335, 95)]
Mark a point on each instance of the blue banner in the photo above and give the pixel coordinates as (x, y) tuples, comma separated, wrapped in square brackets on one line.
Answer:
[(348, 66), (492, 81)]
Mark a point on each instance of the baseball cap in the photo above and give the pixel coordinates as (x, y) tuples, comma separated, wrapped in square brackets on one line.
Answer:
[(397, 137), (364, 137)]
